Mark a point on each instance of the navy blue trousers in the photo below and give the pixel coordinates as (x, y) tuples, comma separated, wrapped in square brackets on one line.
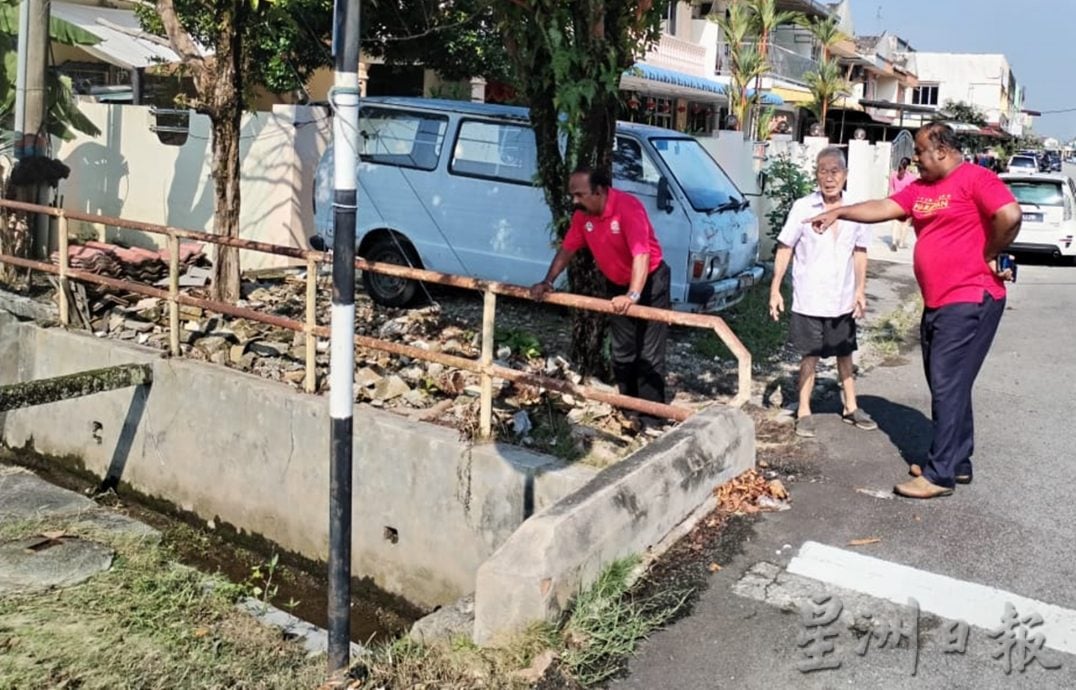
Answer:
[(955, 340)]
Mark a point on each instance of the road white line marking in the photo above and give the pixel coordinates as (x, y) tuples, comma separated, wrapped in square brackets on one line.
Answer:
[(949, 598)]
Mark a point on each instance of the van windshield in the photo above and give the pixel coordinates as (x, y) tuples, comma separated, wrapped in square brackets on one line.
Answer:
[(706, 185)]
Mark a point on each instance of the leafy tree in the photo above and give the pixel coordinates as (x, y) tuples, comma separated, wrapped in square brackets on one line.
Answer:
[(273, 44), (965, 113), (459, 39), (569, 56)]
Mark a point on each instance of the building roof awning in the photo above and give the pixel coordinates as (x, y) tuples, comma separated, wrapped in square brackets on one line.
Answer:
[(685, 83), (905, 107), (123, 41)]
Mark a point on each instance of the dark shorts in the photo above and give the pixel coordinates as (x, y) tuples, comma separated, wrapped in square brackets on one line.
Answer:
[(823, 336)]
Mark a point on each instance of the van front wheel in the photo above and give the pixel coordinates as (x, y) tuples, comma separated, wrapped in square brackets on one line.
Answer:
[(386, 290)]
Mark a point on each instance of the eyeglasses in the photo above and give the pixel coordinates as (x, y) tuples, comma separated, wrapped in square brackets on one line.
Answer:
[(831, 172)]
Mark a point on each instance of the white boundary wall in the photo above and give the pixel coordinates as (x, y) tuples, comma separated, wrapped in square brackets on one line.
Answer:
[(127, 172)]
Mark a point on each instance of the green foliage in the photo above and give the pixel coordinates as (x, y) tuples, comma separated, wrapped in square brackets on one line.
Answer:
[(146, 622), (786, 182), (827, 85), (568, 58), (283, 42), (607, 622), (763, 337), (457, 39), (63, 117), (961, 111), (521, 342), (968, 113), (825, 31)]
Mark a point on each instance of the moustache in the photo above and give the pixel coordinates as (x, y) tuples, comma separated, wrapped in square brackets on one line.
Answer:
[(578, 207)]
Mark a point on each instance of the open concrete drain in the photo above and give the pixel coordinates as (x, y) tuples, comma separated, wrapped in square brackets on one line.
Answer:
[(46, 561)]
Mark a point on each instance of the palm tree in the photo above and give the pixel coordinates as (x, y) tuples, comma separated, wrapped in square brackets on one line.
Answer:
[(749, 66), (745, 61), (826, 32), (766, 18), (826, 85)]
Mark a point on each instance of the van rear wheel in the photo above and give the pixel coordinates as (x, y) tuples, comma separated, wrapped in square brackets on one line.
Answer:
[(386, 290)]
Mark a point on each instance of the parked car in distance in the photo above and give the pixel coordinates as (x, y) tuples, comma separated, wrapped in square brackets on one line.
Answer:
[(450, 186), (1048, 202), (1023, 164)]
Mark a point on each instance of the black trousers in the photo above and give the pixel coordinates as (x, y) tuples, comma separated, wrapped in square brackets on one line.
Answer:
[(955, 340), (639, 345)]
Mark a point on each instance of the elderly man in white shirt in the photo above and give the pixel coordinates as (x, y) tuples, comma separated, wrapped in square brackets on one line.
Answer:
[(829, 276)]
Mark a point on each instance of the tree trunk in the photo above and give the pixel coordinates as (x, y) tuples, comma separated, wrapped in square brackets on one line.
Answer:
[(588, 328), (226, 116)]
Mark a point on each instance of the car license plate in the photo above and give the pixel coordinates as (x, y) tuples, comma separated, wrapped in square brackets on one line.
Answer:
[(746, 280), (1033, 217)]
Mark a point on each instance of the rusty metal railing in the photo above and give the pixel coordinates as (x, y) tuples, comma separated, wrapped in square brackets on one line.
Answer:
[(484, 366)]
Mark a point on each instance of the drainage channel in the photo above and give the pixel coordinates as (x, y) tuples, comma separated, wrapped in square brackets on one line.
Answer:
[(297, 584)]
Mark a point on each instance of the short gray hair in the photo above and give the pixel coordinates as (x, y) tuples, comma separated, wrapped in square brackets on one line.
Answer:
[(832, 152)]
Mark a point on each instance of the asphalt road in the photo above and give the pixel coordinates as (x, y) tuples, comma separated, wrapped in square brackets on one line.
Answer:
[(1012, 529)]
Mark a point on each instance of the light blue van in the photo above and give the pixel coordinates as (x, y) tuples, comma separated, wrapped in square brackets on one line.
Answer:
[(449, 186)]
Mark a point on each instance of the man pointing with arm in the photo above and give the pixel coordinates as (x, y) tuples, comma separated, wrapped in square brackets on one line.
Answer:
[(964, 216)]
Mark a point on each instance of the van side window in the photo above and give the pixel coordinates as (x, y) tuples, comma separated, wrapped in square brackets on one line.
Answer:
[(495, 150), (405, 138), (631, 164)]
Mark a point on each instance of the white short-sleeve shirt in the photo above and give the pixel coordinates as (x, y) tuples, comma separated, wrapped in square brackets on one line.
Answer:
[(823, 270)]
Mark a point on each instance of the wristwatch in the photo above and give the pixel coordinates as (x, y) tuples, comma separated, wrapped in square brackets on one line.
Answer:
[(633, 296)]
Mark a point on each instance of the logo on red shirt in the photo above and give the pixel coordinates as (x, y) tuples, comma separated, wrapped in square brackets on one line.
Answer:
[(927, 206), (589, 226), (614, 227)]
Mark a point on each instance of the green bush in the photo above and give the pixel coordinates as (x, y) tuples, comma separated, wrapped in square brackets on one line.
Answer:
[(786, 183)]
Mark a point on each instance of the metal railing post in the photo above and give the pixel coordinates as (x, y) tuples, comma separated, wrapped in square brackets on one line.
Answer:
[(310, 382), (173, 294), (485, 414), (65, 308), (483, 367)]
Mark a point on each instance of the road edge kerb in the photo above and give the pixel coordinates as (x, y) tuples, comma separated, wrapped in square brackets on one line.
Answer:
[(627, 509)]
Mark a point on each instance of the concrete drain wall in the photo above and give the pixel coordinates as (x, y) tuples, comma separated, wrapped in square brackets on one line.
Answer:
[(229, 446), (434, 518)]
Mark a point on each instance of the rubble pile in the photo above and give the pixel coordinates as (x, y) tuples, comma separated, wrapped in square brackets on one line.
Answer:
[(528, 339)]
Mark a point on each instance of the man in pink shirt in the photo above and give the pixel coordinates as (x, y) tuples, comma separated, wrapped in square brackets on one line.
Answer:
[(614, 226), (964, 216)]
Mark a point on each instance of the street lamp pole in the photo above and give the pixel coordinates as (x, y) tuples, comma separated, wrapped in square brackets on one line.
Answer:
[(345, 103)]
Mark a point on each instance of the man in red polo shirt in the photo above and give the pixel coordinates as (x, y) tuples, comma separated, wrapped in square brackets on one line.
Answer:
[(613, 225), (964, 216)]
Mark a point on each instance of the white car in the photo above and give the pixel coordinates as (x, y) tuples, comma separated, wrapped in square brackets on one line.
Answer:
[(1023, 164), (1048, 202)]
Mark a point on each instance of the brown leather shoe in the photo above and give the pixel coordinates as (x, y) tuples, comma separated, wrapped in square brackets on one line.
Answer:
[(921, 487)]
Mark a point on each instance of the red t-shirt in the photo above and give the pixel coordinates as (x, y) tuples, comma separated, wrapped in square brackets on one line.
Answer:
[(619, 234), (951, 217)]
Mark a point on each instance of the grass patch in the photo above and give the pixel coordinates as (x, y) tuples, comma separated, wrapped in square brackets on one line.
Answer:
[(604, 625), (148, 622), (750, 320), (889, 332)]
